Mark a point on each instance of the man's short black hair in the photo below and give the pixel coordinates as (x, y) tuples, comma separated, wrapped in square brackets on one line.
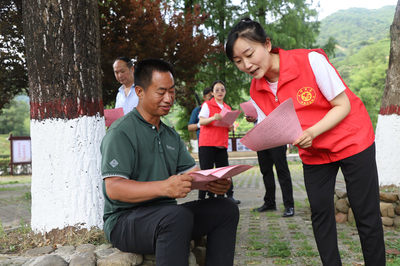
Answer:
[(144, 71), (207, 91)]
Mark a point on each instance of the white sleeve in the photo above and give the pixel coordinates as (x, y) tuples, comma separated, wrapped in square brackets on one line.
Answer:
[(328, 81), (260, 114), (204, 111), (118, 102)]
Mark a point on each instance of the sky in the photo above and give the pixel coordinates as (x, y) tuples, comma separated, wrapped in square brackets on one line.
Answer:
[(328, 7)]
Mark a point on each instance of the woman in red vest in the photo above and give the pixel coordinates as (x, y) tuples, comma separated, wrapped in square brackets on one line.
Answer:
[(213, 140), (337, 133)]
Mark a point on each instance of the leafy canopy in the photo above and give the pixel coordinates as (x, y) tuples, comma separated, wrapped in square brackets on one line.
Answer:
[(13, 75)]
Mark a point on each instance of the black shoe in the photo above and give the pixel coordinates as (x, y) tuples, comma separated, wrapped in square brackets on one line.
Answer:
[(265, 208), (288, 212), (234, 200)]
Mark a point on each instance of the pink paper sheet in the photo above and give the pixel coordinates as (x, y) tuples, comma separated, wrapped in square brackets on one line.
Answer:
[(249, 109), (280, 127), (113, 114), (228, 117), (201, 178)]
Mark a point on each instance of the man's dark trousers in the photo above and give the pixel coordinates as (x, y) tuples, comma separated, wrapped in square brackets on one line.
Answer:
[(266, 159), (166, 230)]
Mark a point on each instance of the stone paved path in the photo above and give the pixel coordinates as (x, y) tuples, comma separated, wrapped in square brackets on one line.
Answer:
[(262, 239), (269, 239)]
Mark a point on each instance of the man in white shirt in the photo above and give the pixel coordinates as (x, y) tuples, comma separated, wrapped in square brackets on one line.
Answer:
[(126, 97)]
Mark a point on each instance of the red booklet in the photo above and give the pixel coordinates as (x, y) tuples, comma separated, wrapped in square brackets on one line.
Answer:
[(113, 114), (228, 117), (201, 178)]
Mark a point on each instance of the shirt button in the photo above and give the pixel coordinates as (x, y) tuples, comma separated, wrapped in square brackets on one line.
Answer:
[(153, 127)]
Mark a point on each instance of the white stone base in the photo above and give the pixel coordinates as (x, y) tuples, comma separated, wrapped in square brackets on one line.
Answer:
[(66, 182), (388, 149)]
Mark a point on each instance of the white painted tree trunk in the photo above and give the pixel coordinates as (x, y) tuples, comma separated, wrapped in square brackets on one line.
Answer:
[(66, 181), (388, 126), (62, 41), (388, 149)]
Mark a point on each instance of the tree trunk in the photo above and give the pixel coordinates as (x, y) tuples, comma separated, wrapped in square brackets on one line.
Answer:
[(62, 44), (388, 126)]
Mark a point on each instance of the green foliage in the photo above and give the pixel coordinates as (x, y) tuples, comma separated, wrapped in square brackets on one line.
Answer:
[(356, 27), (4, 163), (15, 119), (13, 76), (4, 146), (290, 23), (362, 51), (244, 126), (365, 74)]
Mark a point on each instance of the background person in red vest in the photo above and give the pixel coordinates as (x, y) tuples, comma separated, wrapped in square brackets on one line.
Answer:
[(213, 140), (337, 133)]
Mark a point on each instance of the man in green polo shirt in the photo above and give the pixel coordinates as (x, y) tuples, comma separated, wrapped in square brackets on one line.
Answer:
[(145, 167)]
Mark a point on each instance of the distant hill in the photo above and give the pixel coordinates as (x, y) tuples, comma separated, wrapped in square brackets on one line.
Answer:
[(356, 27)]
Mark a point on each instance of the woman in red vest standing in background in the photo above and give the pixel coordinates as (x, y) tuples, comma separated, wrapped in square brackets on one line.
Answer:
[(213, 140), (337, 133)]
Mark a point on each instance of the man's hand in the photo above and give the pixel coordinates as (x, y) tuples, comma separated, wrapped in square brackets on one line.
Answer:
[(219, 186), (178, 186)]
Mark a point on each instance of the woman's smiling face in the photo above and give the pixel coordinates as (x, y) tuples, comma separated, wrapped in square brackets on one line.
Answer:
[(219, 92)]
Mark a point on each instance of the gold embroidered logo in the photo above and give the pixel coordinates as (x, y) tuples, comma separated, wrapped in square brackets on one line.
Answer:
[(306, 96)]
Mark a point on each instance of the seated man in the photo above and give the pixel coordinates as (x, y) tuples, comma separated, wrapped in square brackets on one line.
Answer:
[(145, 167)]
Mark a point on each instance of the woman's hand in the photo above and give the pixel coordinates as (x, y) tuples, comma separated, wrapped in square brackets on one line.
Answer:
[(217, 116), (305, 140), (340, 109)]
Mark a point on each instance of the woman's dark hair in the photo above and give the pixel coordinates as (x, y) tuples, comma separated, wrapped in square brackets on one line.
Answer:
[(129, 62), (216, 82), (144, 71), (248, 29)]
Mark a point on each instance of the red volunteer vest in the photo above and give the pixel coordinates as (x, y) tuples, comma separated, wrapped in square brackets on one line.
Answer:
[(211, 135), (297, 81)]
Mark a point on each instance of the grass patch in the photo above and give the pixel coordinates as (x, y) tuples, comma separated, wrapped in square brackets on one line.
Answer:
[(343, 235), (8, 180), (354, 245), (272, 214), (11, 188), (392, 251), (278, 249), (293, 226), (255, 253), (299, 235), (283, 261), (298, 204), (255, 245), (306, 250)]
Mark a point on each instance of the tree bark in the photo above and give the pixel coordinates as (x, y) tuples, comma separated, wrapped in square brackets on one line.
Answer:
[(388, 126), (62, 42)]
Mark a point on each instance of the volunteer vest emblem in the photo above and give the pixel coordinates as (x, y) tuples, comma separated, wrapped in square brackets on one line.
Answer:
[(306, 96)]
